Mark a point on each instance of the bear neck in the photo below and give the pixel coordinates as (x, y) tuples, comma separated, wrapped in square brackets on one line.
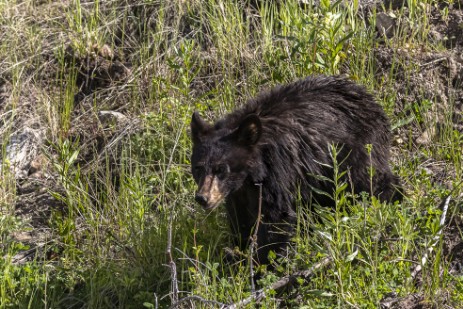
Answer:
[(245, 201)]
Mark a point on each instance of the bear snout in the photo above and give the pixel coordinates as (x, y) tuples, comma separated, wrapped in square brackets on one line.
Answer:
[(201, 199), (210, 193)]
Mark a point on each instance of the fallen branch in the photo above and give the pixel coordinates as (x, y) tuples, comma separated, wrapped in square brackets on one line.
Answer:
[(278, 285), (253, 240), (433, 62), (259, 294)]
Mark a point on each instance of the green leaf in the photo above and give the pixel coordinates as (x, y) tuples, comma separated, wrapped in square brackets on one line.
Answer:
[(352, 256)]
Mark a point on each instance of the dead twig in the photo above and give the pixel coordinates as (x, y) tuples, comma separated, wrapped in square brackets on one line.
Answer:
[(262, 293), (253, 244), (435, 239), (278, 285), (156, 305), (172, 265), (433, 62)]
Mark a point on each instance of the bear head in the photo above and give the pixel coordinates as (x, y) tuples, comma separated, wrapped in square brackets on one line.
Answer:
[(223, 156)]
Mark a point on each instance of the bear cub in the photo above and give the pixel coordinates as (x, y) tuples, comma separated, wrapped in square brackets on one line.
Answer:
[(281, 142)]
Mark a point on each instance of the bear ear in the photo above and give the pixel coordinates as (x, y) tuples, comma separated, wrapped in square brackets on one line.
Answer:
[(250, 130), (198, 127)]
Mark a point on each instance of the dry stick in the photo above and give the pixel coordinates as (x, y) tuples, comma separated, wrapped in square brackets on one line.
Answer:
[(259, 294), (172, 265), (253, 239), (156, 305), (433, 61), (435, 239), (283, 282)]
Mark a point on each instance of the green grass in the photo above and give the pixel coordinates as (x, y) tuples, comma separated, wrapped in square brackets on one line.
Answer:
[(107, 242)]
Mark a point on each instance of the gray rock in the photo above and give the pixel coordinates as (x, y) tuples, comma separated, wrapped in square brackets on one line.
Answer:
[(385, 24), (20, 151)]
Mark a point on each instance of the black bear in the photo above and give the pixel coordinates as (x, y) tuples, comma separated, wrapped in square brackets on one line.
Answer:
[(281, 141)]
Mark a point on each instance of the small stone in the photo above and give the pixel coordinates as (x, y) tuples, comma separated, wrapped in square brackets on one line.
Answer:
[(398, 141), (385, 24), (22, 148), (106, 52), (111, 118), (424, 139)]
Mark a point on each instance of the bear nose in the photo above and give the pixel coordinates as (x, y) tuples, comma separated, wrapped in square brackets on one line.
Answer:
[(201, 199)]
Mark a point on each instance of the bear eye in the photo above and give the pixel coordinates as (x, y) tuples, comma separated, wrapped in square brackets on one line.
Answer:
[(221, 170), (198, 169)]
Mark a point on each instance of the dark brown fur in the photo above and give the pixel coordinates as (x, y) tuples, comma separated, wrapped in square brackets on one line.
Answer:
[(281, 139)]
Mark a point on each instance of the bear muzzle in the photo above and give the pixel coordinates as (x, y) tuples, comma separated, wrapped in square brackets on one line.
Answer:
[(201, 199), (209, 195)]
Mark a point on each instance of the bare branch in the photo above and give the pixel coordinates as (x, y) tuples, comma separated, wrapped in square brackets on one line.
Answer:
[(260, 294), (435, 239), (172, 265), (253, 244), (283, 282)]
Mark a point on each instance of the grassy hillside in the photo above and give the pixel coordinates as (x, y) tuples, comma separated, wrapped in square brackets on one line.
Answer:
[(96, 195)]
